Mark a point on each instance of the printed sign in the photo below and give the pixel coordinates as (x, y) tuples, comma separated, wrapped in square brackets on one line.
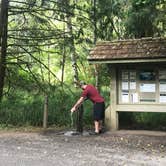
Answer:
[(132, 85), (162, 87), (125, 97), (125, 75), (125, 86), (162, 98), (134, 97), (147, 87), (132, 75)]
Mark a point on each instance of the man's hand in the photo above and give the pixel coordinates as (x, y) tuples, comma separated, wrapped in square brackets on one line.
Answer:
[(78, 103), (73, 109)]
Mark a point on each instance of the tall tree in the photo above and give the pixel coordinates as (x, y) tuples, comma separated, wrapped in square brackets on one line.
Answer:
[(73, 53), (142, 16), (71, 39), (94, 41), (3, 42)]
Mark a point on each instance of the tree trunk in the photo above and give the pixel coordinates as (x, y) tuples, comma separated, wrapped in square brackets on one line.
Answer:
[(63, 65), (45, 114), (3, 42), (72, 50), (46, 98), (79, 126), (94, 41), (63, 58)]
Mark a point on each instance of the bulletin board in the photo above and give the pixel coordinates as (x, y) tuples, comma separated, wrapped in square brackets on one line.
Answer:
[(137, 86)]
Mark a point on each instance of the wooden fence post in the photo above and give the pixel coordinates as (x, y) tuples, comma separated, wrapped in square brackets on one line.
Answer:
[(45, 114)]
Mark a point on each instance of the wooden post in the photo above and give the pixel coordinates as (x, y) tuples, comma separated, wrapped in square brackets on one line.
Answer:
[(107, 120), (113, 99), (79, 120), (3, 42), (45, 114)]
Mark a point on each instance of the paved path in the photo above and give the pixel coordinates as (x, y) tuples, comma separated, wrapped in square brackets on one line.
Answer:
[(130, 148)]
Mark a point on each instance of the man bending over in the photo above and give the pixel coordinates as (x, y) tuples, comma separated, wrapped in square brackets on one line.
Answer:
[(90, 92)]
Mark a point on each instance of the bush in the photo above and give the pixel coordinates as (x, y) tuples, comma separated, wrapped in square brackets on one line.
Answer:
[(145, 120), (24, 108)]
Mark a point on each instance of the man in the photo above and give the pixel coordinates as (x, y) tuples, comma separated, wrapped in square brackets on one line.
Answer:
[(90, 92)]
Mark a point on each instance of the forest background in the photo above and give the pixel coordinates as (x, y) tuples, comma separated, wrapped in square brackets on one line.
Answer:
[(44, 50)]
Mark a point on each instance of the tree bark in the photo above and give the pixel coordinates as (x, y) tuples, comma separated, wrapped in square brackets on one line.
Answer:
[(3, 42), (45, 114), (72, 50), (79, 126), (63, 58), (94, 41)]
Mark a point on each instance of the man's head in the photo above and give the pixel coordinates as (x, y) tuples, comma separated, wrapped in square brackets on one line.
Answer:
[(82, 84)]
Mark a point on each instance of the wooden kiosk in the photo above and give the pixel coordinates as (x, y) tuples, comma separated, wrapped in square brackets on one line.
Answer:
[(137, 75)]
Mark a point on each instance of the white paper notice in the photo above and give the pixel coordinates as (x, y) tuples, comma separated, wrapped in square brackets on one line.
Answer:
[(132, 85), (162, 99), (125, 75), (132, 75), (125, 97), (125, 86), (162, 87), (147, 88), (134, 97)]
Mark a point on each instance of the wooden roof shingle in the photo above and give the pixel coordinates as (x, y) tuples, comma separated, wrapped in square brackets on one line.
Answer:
[(130, 50)]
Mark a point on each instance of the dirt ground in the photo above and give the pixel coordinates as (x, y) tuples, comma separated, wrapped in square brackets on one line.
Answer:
[(53, 148)]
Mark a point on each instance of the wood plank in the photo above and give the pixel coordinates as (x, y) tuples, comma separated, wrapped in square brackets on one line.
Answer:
[(141, 108), (92, 61), (113, 99)]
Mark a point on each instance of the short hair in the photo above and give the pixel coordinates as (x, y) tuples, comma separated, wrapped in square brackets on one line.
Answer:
[(82, 83)]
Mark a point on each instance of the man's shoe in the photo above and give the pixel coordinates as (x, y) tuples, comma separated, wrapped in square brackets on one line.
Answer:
[(101, 131), (94, 133)]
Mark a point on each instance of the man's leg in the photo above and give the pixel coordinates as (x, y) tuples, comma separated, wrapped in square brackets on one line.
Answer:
[(100, 125), (97, 126), (99, 109)]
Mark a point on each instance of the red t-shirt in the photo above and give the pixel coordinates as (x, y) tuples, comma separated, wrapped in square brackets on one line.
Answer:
[(92, 93)]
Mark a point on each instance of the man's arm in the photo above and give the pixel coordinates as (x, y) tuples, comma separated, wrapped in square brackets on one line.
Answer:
[(77, 104)]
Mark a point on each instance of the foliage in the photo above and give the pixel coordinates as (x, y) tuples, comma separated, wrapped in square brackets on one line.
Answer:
[(42, 37), (144, 17), (24, 108), (143, 120)]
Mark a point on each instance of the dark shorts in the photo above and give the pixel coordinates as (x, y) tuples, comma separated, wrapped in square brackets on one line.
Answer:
[(99, 111)]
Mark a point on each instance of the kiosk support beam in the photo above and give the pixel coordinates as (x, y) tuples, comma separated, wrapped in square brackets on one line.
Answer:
[(113, 99)]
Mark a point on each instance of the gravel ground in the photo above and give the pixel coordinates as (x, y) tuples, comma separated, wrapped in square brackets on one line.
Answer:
[(53, 148)]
